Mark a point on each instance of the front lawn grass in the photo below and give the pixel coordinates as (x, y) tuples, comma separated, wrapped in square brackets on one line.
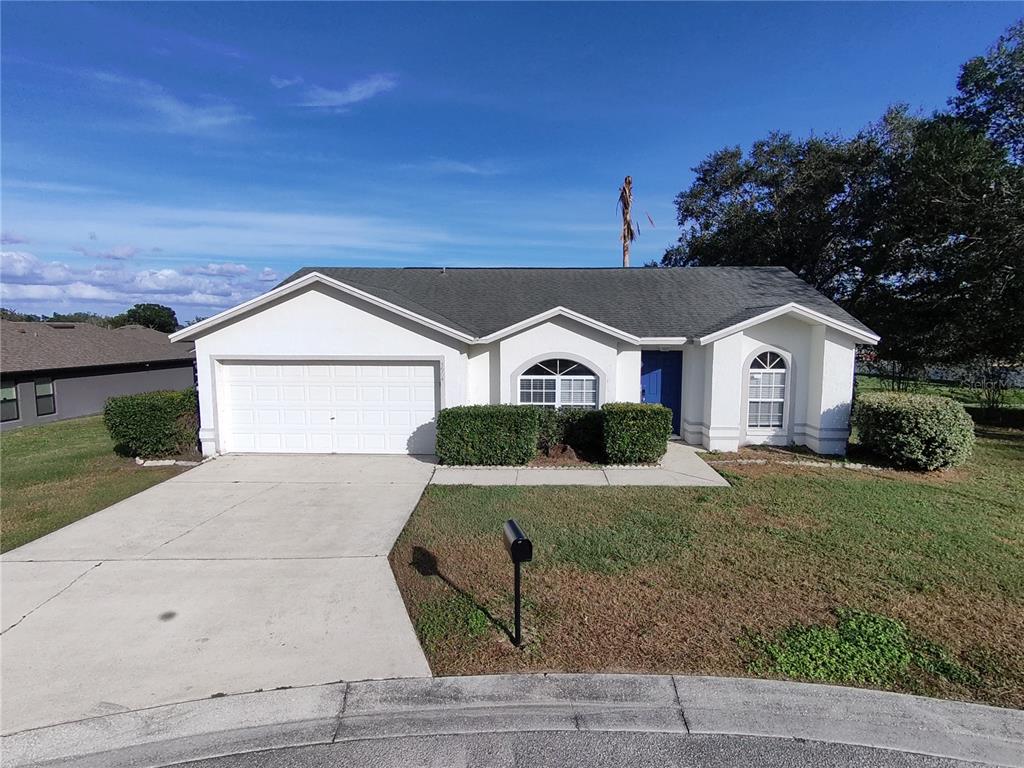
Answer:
[(54, 474), (896, 580)]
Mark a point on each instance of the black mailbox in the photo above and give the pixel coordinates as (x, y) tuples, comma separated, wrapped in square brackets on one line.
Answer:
[(520, 548)]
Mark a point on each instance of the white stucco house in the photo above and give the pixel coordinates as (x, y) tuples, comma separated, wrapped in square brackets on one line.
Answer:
[(360, 360)]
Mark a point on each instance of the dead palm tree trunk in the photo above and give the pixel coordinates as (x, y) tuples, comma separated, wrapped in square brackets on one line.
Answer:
[(628, 227)]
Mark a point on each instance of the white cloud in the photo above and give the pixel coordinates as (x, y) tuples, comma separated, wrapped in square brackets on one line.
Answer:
[(268, 276), (163, 111), (50, 284), (19, 266), (16, 264), (285, 82), (117, 253), (52, 186), (229, 235), (222, 269), (12, 238), (445, 165), (360, 90)]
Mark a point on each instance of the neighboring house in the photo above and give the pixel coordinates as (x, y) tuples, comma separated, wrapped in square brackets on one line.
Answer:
[(360, 360), (52, 371)]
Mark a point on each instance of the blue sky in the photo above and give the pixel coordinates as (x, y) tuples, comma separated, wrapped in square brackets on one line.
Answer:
[(193, 154)]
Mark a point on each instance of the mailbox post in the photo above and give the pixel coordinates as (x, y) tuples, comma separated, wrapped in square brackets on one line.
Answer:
[(520, 549)]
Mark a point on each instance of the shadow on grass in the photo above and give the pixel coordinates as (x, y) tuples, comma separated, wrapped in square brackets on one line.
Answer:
[(425, 563), (1007, 417), (1005, 434)]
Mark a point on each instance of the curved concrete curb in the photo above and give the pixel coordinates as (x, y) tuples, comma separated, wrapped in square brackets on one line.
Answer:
[(388, 709)]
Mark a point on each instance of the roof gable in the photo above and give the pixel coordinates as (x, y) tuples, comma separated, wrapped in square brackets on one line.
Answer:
[(480, 305), (652, 302)]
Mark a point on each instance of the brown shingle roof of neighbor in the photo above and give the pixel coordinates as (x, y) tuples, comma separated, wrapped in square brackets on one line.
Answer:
[(679, 301), (54, 346)]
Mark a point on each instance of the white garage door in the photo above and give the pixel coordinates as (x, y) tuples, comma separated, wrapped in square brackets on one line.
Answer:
[(343, 407)]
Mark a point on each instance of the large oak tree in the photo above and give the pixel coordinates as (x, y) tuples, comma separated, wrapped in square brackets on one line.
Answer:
[(916, 224)]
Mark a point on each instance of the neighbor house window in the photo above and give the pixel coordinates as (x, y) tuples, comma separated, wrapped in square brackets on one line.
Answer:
[(767, 394), (45, 403), (557, 383), (9, 402)]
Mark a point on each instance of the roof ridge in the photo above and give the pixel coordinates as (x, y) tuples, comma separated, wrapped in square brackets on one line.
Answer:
[(444, 268)]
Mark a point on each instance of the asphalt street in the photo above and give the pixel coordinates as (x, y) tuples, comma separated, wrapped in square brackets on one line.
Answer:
[(574, 749)]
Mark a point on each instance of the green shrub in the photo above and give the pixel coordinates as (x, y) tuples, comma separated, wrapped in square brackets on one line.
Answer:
[(636, 433), (581, 429), (487, 434), (154, 423), (914, 431), (862, 648)]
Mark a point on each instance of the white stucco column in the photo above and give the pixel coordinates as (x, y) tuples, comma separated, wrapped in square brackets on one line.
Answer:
[(693, 394), (207, 401), (628, 374), (830, 390), (723, 385)]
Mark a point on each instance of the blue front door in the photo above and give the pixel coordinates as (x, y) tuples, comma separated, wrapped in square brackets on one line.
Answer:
[(661, 375)]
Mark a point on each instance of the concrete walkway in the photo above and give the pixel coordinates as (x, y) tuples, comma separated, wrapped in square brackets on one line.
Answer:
[(245, 573), (417, 722), (681, 466)]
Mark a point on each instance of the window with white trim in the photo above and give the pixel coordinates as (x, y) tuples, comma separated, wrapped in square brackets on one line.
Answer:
[(767, 392), (9, 402), (557, 383), (46, 402)]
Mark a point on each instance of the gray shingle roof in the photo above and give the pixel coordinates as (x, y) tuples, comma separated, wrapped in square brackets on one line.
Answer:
[(54, 346), (690, 301)]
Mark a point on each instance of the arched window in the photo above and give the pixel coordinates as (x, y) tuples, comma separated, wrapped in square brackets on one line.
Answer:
[(767, 395), (554, 383)]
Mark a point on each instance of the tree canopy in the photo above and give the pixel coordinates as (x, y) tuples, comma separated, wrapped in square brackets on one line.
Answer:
[(991, 92), (916, 224), (155, 316)]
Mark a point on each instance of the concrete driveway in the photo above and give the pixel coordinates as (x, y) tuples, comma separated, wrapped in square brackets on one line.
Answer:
[(245, 573)]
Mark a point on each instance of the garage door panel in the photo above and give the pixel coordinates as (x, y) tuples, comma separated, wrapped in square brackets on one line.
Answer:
[(240, 393), (266, 394), (268, 417), (330, 407), (346, 394), (346, 417), (320, 442), (270, 442), (293, 418), (399, 418), (372, 394)]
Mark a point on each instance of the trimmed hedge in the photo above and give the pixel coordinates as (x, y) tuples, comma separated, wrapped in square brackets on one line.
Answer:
[(581, 429), (636, 433), (154, 423), (914, 431), (487, 434)]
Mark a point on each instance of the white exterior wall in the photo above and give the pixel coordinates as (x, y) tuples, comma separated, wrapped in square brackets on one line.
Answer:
[(692, 418), (565, 338), (627, 385), (826, 429), (790, 338), (321, 324), (722, 393), (819, 387), (482, 371)]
